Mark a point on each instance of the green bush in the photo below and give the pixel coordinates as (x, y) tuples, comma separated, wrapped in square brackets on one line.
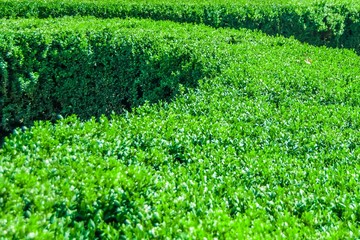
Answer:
[(266, 147), (92, 67), (330, 23)]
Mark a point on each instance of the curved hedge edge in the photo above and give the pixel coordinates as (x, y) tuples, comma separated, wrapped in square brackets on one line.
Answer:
[(319, 23), (134, 173), (64, 66)]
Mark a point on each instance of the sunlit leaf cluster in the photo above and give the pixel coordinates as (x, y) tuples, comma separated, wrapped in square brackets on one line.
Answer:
[(181, 131)]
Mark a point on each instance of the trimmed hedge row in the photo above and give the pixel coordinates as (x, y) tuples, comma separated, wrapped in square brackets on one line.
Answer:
[(92, 67), (330, 23), (267, 148)]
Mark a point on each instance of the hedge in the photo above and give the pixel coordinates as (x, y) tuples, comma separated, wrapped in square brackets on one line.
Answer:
[(265, 147), (92, 67), (330, 23)]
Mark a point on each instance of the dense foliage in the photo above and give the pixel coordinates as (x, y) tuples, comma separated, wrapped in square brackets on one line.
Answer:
[(260, 138), (91, 67), (334, 23)]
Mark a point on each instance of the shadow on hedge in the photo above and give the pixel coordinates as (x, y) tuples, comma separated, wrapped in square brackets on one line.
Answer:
[(64, 78)]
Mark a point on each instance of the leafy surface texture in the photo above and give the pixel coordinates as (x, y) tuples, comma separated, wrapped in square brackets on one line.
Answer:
[(179, 119)]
